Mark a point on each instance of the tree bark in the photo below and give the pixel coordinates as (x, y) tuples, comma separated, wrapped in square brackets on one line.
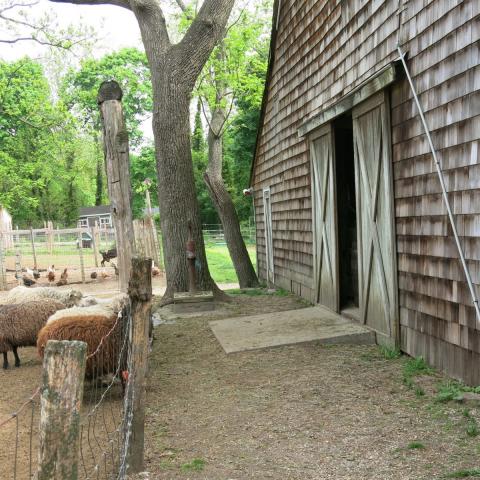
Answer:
[(175, 69), (224, 205), (100, 167)]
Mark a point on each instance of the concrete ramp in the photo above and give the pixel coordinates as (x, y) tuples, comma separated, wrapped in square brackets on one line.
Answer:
[(315, 324)]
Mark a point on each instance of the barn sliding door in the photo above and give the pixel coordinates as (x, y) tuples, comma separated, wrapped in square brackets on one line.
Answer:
[(325, 264), (376, 228)]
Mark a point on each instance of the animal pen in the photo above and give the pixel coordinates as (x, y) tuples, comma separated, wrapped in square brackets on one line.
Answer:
[(79, 250), (86, 419)]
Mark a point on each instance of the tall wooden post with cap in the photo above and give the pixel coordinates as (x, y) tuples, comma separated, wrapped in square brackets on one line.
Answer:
[(115, 140)]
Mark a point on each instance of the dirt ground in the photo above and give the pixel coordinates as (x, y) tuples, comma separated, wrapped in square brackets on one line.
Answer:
[(18, 384), (296, 412)]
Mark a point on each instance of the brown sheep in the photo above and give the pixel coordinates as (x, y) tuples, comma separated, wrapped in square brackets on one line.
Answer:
[(91, 330), (21, 322)]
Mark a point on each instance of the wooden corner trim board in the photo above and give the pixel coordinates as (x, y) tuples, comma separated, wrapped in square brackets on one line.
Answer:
[(369, 87)]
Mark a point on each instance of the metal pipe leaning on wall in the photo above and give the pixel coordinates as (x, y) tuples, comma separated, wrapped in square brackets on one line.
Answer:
[(444, 189)]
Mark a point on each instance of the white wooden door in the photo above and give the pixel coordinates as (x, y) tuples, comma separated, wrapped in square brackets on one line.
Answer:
[(324, 218), (267, 217), (375, 217)]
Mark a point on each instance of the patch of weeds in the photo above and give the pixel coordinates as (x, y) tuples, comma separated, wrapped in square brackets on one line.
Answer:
[(452, 390), (390, 353), (166, 464), (473, 472), (419, 391), (250, 292), (196, 465), (472, 427), (416, 446), (414, 367), (280, 292)]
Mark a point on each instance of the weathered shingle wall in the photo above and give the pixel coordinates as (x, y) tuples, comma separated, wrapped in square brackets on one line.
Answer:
[(326, 48), (436, 313)]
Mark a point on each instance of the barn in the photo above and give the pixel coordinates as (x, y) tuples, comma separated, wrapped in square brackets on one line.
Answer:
[(348, 202)]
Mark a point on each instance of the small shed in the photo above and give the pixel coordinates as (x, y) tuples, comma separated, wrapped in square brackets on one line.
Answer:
[(100, 215), (6, 228), (349, 209)]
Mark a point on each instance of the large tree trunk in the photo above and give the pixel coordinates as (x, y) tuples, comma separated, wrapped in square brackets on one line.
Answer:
[(176, 186), (224, 205), (175, 69)]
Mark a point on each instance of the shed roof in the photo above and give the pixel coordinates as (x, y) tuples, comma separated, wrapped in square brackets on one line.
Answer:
[(98, 210)]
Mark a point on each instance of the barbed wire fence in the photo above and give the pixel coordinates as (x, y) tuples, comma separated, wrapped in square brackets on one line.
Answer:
[(88, 416)]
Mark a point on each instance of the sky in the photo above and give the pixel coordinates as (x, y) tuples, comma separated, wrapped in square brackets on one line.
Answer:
[(117, 27)]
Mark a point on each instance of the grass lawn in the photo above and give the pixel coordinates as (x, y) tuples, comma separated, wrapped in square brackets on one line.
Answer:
[(220, 263)]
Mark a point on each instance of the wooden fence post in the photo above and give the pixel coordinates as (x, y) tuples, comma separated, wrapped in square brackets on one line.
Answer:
[(34, 253), (50, 237), (18, 266), (140, 292), (115, 139), (3, 273), (63, 376), (80, 251), (94, 233)]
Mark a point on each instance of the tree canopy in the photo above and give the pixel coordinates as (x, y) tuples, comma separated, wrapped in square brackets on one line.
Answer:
[(51, 161)]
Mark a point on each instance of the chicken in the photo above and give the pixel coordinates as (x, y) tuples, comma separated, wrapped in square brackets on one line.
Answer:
[(33, 273), (28, 282), (104, 274), (63, 278), (51, 274), (155, 270)]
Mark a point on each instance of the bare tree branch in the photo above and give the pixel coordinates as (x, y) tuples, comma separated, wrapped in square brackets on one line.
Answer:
[(182, 5), (18, 5), (204, 32), (118, 3)]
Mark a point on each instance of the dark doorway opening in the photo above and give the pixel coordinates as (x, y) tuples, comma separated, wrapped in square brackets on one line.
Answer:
[(346, 215)]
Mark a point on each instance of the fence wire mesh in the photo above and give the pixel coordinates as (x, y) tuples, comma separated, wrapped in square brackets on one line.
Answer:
[(104, 423), (106, 415), (19, 435), (32, 253)]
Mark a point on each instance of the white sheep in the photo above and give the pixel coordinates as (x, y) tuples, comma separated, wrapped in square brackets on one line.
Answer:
[(22, 294), (104, 308)]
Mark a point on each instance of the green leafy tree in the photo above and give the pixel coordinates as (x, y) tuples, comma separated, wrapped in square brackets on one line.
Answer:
[(38, 148), (144, 177), (80, 88), (236, 69), (200, 161)]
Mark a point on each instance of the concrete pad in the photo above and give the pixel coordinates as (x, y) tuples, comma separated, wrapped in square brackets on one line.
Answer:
[(315, 324)]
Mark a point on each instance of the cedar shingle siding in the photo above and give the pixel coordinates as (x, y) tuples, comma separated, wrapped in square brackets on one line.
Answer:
[(323, 50)]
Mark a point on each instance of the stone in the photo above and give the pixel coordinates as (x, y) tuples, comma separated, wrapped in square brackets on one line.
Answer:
[(469, 397)]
